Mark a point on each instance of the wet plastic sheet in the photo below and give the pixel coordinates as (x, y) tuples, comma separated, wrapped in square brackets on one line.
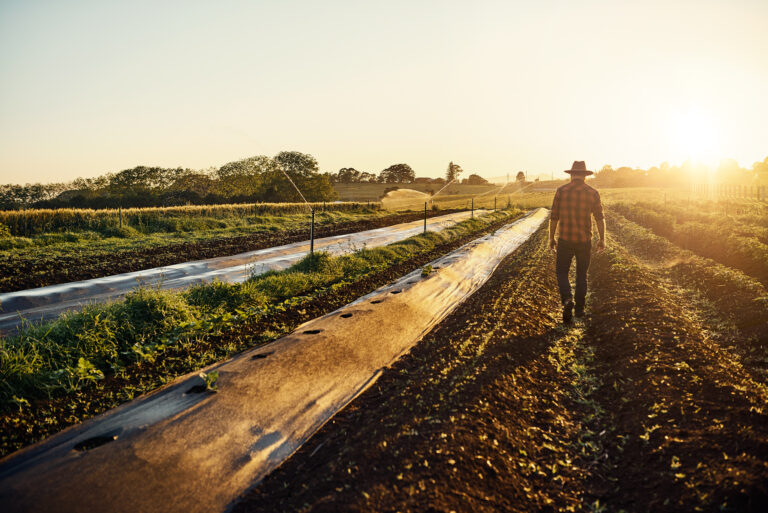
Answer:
[(179, 451), (49, 302)]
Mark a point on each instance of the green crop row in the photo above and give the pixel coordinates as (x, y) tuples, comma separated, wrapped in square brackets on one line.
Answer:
[(724, 240), (32, 222), (740, 298)]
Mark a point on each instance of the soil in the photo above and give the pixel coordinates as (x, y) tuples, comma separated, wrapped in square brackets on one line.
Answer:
[(502, 408), (52, 270), (689, 427)]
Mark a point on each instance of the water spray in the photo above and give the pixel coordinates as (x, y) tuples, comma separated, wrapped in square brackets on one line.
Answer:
[(312, 225)]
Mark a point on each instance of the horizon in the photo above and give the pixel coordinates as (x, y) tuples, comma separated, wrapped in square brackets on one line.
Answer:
[(91, 88)]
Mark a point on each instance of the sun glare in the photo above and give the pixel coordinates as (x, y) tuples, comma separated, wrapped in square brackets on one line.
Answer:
[(695, 137)]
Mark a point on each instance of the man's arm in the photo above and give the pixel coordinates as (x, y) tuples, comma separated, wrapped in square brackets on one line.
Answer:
[(601, 232), (597, 211), (552, 231), (554, 217)]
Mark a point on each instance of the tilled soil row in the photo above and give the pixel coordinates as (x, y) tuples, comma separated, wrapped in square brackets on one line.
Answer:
[(732, 307), (21, 428), (40, 272), (684, 424), (480, 416), (502, 409)]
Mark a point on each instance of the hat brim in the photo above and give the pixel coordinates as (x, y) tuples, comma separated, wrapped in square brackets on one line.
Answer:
[(579, 172)]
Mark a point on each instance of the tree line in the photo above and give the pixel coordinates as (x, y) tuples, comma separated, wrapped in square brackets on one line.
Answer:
[(250, 180), (664, 175), (403, 173)]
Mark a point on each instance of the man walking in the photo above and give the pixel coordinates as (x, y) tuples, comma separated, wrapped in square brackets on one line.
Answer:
[(572, 209)]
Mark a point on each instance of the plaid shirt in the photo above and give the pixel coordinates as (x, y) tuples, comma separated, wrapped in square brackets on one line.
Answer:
[(572, 206)]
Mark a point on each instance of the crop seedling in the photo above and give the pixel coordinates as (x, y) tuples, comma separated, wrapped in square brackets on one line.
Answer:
[(210, 380)]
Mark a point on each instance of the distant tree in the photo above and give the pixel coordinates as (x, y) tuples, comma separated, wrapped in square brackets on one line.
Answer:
[(397, 173), (760, 169), (453, 172), (143, 177), (365, 176), (348, 175), (191, 187), (303, 171), (474, 179), (244, 178), (520, 176)]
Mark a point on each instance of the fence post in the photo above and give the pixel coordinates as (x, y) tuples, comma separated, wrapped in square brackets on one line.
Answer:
[(425, 217), (472, 212), (120, 213), (312, 235), (494, 203)]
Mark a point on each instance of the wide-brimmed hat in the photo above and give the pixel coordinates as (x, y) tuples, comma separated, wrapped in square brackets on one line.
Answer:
[(579, 168)]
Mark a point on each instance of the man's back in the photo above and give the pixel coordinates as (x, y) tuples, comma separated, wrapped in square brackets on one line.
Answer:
[(573, 206)]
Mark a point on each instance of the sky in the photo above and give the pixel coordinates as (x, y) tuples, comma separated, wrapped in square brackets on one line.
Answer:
[(89, 87)]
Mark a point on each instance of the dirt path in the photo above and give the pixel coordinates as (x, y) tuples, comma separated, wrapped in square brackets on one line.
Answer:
[(502, 409)]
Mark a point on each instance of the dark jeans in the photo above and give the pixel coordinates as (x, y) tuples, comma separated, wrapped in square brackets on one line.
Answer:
[(565, 253)]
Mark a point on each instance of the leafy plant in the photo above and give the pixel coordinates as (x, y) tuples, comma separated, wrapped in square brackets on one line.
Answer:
[(210, 379)]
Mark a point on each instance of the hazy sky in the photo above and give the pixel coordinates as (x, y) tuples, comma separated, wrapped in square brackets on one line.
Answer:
[(88, 87)]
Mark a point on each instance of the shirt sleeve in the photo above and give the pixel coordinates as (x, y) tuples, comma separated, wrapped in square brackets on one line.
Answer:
[(597, 207), (555, 213)]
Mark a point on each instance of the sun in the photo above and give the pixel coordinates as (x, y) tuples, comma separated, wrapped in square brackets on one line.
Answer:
[(695, 136)]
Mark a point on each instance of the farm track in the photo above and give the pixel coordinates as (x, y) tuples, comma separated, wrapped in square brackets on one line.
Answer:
[(500, 408), (23, 428), (27, 274)]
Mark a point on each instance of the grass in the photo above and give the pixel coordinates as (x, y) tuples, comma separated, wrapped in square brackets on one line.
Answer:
[(173, 229), (149, 220), (77, 350), (46, 258)]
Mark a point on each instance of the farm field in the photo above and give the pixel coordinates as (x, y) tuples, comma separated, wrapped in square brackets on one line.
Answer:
[(49, 302), (54, 257), (640, 407), (656, 401), (63, 372), (41, 248)]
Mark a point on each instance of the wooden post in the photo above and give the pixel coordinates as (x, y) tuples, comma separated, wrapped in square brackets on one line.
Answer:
[(312, 235), (472, 212), (425, 217), (120, 213)]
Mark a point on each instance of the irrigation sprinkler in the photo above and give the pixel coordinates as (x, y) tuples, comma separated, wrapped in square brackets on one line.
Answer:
[(312, 225)]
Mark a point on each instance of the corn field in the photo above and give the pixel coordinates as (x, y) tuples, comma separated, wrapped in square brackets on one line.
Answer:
[(36, 221)]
